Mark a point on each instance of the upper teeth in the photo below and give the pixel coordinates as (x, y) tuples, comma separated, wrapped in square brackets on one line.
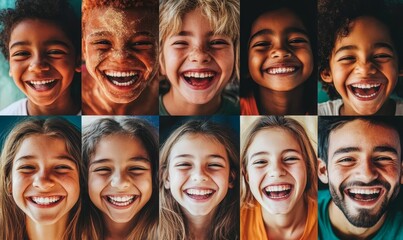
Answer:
[(121, 198), (281, 70), (41, 82), (278, 188), (364, 191), (121, 74), (199, 74), (365, 86), (45, 200), (199, 192)]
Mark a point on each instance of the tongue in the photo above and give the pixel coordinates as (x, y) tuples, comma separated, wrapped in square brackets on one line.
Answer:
[(121, 79), (365, 197), (198, 81), (278, 194), (365, 91)]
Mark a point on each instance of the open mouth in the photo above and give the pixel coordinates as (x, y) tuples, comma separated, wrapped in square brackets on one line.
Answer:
[(122, 79), (199, 194), (281, 70), (121, 201), (199, 80), (365, 91), (46, 201), (364, 194), (42, 85), (278, 192)]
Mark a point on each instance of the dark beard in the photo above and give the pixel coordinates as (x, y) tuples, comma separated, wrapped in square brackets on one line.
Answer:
[(364, 218)]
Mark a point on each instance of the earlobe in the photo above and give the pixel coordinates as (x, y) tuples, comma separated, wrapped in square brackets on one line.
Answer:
[(166, 184), (322, 171), (78, 65), (401, 73), (401, 174), (326, 75), (231, 180)]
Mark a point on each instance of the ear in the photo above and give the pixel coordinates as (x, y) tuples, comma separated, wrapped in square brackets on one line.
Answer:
[(245, 175), (322, 171), (232, 179), (167, 185), (162, 66), (9, 73), (326, 75), (78, 64), (401, 73)]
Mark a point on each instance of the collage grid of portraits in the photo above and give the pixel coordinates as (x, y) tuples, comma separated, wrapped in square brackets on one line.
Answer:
[(201, 119)]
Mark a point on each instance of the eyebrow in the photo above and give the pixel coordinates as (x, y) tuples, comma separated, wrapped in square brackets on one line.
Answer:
[(135, 159), (267, 31), (191, 156), (346, 150), (385, 149), (268, 153), (357, 149), (376, 45), (188, 33), (33, 157), (46, 43), (108, 33)]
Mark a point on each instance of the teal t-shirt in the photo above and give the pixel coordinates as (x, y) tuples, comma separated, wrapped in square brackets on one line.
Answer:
[(392, 228)]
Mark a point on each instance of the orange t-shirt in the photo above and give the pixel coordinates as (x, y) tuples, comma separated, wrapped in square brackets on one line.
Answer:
[(252, 225)]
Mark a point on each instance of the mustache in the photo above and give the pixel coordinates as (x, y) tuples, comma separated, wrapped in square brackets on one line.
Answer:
[(374, 183)]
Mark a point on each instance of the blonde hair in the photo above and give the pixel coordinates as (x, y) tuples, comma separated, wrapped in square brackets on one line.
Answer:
[(145, 221), (173, 225), (222, 15), (12, 218), (297, 130)]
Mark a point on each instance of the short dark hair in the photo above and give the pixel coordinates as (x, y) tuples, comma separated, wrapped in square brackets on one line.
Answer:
[(328, 124), (334, 18), (58, 11)]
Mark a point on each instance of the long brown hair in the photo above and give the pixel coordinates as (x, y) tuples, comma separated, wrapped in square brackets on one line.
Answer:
[(12, 218)]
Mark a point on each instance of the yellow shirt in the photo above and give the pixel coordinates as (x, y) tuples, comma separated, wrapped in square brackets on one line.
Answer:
[(252, 225)]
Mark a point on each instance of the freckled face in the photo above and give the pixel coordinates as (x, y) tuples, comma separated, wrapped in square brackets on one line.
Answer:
[(120, 51)]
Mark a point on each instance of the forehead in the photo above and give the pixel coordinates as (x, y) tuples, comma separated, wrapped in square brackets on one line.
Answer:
[(363, 135), (276, 139), (196, 143), (278, 20), (115, 20)]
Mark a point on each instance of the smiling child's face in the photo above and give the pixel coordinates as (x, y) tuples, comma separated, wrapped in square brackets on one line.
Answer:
[(42, 61), (280, 55), (363, 67), (197, 63), (120, 51)]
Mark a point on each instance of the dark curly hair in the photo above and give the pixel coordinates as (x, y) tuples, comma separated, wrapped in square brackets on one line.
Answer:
[(119, 4), (334, 18), (306, 11), (58, 11)]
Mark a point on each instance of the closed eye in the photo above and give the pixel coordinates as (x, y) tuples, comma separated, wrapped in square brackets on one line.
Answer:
[(261, 44), (20, 55), (142, 45)]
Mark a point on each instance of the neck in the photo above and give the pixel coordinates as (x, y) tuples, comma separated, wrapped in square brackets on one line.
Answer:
[(115, 231), (199, 226), (286, 226), (281, 103), (95, 102), (38, 231), (64, 105), (175, 104), (345, 230)]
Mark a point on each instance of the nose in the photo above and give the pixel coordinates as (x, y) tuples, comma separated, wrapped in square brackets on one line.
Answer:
[(365, 68), (276, 169), (120, 181), (366, 171), (280, 50), (199, 55), (120, 55), (38, 64), (199, 175), (42, 180)]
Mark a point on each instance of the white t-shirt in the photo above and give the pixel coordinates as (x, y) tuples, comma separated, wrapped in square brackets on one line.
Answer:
[(332, 108), (19, 108)]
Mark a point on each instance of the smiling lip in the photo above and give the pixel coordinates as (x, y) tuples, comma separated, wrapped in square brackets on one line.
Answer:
[(199, 194), (42, 85), (284, 68), (365, 196), (122, 79), (45, 201), (199, 79), (278, 192), (121, 201), (366, 90)]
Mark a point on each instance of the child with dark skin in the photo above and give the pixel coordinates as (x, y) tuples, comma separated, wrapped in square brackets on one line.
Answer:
[(120, 53)]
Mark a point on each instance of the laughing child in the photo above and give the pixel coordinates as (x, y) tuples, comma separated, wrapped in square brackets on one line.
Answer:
[(40, 179), (359, 53), (199, 42), (121, 158), (41, 41), (279, 187), (199, 186), (277, 46)]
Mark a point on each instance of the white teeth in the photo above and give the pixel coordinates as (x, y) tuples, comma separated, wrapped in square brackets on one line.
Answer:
[(278, 188), (199, 192), (365, 96), (364, 191), (45, 200), (41, 82), (120, 74), (199, 74), (123, 83), (121, 200), (281, 70), (365, 86)]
